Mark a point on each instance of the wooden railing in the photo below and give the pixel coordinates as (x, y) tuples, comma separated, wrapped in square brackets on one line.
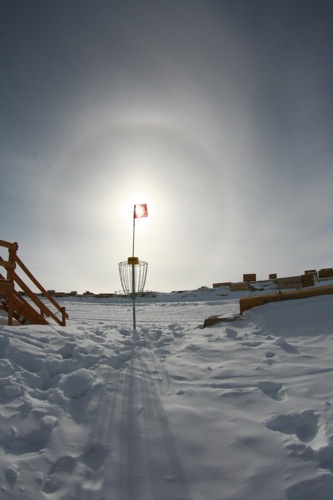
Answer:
[(15, 303)]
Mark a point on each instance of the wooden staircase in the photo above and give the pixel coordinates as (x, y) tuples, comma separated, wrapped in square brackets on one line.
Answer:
[(25, 306)]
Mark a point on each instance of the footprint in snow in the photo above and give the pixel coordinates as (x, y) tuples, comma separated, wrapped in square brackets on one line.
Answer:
[(64, 465), (303, 424), (232, 334), (32, 443), (125, 332), (11, 474), (272, 389), (94, 456), (269, 355), (290, 349), (252, 343)]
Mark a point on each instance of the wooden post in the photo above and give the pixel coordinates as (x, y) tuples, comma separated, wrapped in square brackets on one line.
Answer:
[(12, 251), (64, 316)]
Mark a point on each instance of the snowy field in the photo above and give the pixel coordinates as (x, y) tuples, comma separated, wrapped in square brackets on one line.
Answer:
[(238, 411)]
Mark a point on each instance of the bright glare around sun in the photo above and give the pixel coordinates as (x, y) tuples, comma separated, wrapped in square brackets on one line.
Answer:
[(163, 169)]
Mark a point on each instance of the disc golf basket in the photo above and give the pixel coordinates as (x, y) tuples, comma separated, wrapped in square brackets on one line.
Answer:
[(133, 274)]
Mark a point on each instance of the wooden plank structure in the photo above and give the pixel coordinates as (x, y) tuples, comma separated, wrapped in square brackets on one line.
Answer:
[(249, 277), (15, 304), (307, 280), (290, 282), (258, 300), (239, 287), (325, 273)]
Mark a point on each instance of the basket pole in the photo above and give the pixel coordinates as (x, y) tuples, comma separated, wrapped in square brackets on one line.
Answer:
[(133, 297)]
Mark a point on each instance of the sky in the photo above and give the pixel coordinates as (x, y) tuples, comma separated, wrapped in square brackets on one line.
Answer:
[(217, 114)]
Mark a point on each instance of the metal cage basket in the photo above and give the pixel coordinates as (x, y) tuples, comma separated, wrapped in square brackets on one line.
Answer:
[(133, 277)]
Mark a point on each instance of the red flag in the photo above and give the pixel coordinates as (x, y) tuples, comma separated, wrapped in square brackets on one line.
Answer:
[(140, 211)]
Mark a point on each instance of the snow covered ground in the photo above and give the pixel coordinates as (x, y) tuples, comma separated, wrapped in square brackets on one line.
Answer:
[(240, 410)]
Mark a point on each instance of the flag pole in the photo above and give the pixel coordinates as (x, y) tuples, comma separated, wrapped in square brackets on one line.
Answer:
[(133, 275), (133, 231)]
